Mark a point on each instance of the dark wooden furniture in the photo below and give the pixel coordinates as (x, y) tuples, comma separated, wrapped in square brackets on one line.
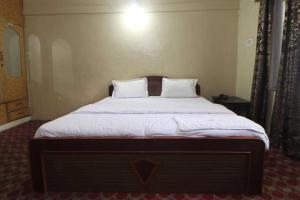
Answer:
[(148, 164), (236, 104)]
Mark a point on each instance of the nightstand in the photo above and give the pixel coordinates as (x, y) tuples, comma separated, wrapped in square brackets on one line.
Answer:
[(238, 105)]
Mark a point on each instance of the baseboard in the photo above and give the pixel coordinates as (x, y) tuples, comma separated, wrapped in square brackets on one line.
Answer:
[(14, 123)]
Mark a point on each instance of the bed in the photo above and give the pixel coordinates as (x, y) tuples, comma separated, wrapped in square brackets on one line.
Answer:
[(69, 155)]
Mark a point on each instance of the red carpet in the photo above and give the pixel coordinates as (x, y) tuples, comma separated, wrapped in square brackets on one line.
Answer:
[(281, 180)]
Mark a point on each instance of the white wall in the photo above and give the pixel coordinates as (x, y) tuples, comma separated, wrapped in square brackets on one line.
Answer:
[(75, 48), (247, 29)]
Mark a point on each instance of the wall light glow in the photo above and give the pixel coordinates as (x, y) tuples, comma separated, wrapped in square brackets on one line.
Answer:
[(135, 17)]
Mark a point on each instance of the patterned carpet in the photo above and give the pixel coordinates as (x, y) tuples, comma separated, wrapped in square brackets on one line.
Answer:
[(281, 180)]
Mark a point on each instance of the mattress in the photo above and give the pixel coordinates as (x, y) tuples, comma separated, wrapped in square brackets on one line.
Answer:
[(152, 117)]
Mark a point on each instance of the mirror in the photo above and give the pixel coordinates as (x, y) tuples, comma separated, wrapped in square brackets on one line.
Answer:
[(11, 52)]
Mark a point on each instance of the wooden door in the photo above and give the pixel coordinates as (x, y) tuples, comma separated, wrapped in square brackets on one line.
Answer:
[(13, 71)]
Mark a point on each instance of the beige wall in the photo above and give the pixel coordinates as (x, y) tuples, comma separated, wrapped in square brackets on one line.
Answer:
[(247, 30), (75, 52)]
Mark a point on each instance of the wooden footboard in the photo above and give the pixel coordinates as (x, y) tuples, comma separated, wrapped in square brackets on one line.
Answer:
[(185, 165)]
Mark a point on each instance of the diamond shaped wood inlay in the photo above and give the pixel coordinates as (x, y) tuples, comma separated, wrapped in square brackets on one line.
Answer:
[(144, 169)]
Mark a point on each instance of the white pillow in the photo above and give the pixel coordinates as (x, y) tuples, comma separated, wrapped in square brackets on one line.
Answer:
[(130, 89), (179, 88)]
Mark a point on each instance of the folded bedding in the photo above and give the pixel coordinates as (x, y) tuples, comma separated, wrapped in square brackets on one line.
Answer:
[(188, 124), (152, 116)]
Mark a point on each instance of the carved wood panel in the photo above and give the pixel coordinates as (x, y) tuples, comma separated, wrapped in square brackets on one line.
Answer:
[(13, 87), (148, 172), (11, 11)]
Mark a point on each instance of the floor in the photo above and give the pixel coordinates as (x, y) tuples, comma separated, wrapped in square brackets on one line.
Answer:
[(281, 180)]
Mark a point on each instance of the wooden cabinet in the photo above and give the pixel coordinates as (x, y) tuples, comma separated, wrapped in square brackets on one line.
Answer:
[(17, 105), (236, 104), (17, 109), (3, 115), (13, 74), (13, 77), (11, 10), (17, 114), (13, 110)]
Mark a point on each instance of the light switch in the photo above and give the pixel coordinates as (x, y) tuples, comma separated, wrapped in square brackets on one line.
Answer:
[(249, 42)]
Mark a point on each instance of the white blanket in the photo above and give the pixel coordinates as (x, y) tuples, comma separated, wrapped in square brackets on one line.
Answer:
[(189, 123), (154, 105), (151, 116), (203, 125)]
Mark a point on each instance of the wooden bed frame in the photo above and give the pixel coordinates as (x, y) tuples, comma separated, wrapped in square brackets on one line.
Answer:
[(148, 164)]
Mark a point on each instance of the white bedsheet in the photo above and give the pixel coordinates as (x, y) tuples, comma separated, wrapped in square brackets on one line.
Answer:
[(151, 116), (153, 105)]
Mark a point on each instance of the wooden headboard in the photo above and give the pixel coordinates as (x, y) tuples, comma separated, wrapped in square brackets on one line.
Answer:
[(154, 86)]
